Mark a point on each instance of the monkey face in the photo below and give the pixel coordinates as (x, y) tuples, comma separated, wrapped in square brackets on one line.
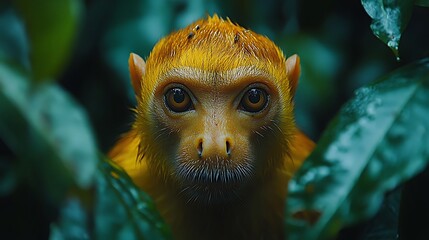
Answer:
[(212, 126)]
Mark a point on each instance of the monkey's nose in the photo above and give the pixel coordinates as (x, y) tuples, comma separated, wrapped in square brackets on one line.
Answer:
[(209, 146)]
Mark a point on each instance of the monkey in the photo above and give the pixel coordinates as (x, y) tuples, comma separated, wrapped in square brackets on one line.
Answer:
[(214, 140)]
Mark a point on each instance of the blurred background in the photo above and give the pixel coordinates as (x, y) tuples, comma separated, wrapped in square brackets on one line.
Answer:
[(338, 51)]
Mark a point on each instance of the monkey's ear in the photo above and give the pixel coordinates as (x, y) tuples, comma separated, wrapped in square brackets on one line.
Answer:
[(293, 68), (137, 68)]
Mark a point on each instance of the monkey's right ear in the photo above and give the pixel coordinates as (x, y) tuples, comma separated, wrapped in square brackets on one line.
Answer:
[(137, 68)]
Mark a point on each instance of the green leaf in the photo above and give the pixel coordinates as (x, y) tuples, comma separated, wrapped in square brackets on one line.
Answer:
[(51, 27), (13, 41), (379, 139), (422, 3), (117, 209), (48, 131), (389, 19), (123, 211), (73, 222), (385, 223)]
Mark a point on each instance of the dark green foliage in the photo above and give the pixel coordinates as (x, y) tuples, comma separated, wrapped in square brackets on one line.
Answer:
[(51, 159), (389, 20), (51, 27), (117, 210), (50, 136), (54, 183), (41, 121), (378, 140)]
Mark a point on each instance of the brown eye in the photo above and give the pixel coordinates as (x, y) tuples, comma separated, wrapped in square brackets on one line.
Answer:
[(178, 100), (254, 100)]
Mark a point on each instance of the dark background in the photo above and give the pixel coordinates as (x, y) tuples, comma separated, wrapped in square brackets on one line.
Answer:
[(338, 51)]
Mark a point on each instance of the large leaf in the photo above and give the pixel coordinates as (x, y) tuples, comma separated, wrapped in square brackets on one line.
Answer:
[(48, 131), (73, 222), (389, 19), (51, 27), (121, 211), (379, 139), (50, 135)]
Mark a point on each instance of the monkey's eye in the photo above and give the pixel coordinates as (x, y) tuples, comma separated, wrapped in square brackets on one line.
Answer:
[(254, 100), (178, 100)]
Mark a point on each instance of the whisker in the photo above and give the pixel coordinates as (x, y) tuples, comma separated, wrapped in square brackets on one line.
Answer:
[(260, 134), (160, 133), (275, 124)]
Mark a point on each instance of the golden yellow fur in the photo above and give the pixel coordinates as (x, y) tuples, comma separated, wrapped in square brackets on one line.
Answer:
[(216, 53)]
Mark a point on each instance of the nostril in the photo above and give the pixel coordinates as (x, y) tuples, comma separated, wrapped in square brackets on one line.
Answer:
[(200, 148), (228, 148)]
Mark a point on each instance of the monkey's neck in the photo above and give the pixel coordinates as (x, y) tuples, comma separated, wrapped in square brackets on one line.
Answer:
[(258, 214)]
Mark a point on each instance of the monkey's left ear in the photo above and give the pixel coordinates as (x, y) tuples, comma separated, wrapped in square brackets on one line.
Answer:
[(137, 68), (293, 68)]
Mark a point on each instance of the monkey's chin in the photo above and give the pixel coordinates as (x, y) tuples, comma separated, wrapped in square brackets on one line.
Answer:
[(214, 182)]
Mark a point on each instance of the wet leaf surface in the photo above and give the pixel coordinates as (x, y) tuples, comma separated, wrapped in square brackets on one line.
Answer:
[(114, 209), (122, 210), (389, 19), (379, 139)]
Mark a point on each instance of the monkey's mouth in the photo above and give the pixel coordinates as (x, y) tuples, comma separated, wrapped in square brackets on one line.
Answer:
[(212, 181)]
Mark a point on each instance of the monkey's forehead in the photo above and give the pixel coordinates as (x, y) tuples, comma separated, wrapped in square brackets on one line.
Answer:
[(212, 80), (217, 40)]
